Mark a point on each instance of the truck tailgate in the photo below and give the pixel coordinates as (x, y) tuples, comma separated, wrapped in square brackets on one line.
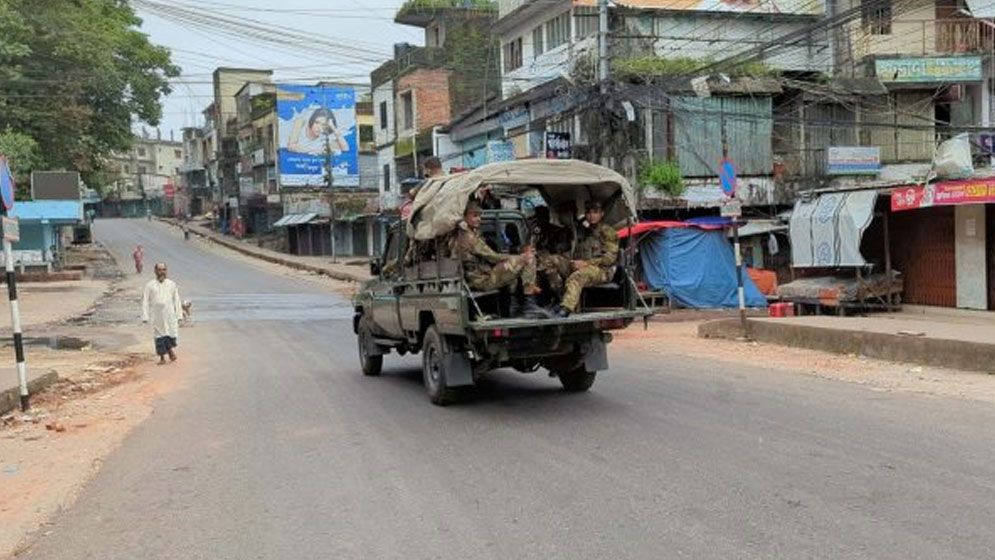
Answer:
[(576, 318)]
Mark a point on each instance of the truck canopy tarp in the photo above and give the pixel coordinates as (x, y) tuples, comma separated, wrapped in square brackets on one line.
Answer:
[(696, 268), (440, 203)]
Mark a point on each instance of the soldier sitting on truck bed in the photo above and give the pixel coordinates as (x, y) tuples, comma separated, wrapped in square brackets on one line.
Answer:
[(594, 255), (486, 269)]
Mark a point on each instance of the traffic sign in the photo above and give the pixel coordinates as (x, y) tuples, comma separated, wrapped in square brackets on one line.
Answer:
[(11, 229), (731, 208), (727, 177), (6, 184)]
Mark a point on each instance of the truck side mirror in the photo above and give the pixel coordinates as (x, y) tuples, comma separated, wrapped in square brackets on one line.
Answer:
[(375, 267)]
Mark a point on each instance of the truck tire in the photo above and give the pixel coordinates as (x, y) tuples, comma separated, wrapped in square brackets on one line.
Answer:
[(577, 380), (372, 365), (434, 353)]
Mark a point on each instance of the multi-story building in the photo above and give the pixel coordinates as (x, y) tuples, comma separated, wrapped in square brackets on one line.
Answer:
[(193, 194), (258, 191), (149, 170), (423, 88), (930, 63), (224, 122)]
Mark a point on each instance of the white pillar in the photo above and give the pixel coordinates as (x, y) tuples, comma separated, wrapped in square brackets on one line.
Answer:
[(971, 264)]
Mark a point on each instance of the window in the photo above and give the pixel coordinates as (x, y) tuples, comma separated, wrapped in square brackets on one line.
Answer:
[(141, 152), (127, 169), (365, 133), (585, 21), (876, 16), (141, 170), (178, 154), (408, 108), (513, 55), (383, 115), (558, 31), (537, 42), (386, 177)]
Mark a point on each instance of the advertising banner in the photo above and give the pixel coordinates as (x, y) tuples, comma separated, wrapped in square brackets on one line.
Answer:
[(315, 121), (922, 69), (944, 193)]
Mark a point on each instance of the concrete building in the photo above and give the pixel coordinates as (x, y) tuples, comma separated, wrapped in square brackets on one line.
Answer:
[(193, 196), (224, 122), (422, 88), (149, 170)]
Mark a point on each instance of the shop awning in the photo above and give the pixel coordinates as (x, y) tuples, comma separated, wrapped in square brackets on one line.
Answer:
[(295, 219), (826, 231)]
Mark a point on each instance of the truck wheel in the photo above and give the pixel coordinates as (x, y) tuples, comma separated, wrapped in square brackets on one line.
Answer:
[(372, 365), (577, 380), (434, 353)]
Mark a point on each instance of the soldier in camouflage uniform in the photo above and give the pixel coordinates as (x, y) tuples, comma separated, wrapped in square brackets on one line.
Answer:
[(594, 255), (486, 269)]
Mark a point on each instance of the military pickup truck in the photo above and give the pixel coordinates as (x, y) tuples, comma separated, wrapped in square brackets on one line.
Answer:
[(420, 302)]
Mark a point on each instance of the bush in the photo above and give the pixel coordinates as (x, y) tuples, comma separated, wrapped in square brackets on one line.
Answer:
[(663, 177)]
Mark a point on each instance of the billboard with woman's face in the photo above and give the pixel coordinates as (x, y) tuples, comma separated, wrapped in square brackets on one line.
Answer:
[(317, 122)]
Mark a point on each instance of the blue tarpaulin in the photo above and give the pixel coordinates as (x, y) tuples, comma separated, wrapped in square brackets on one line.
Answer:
[(696, 268)]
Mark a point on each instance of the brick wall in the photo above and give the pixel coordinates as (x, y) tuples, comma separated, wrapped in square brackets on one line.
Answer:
[(431, 94)]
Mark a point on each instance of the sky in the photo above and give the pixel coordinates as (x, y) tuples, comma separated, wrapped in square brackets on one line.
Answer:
[(341, 40)]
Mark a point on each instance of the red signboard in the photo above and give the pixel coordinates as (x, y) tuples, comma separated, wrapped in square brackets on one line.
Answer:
[(944, 193), (168, 190)]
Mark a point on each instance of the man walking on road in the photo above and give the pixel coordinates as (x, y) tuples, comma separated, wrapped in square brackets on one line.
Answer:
[(161, 306), (139, 257)]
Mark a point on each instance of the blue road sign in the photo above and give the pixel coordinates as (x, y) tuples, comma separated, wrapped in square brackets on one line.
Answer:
[(727, 177), (6, 184)]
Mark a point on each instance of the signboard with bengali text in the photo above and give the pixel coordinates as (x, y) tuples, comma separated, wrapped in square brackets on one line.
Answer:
[(853, 160), (929, 69), (944, 193)]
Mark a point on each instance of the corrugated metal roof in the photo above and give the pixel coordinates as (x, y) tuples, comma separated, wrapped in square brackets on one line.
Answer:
[(295, 219), (51, 210)]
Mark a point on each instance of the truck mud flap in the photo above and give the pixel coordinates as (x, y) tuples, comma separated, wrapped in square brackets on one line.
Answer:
[(459, 372), (596, 357)]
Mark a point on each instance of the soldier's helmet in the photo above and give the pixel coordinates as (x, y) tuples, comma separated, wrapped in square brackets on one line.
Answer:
[(594, 205)]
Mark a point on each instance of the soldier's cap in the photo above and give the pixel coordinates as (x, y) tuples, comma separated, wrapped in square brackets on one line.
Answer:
[(594, 205), (472, 207)]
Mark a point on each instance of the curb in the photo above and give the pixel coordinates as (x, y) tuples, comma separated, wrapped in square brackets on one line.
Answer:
[(955, 354), (245, 250), (11, 398)]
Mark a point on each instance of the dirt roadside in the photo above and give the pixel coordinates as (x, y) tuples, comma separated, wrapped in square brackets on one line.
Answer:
[(85, 332), (108, 385), (670, 335)]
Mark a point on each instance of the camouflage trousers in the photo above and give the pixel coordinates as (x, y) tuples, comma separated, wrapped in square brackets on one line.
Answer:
[(506, 274), (558, 273)]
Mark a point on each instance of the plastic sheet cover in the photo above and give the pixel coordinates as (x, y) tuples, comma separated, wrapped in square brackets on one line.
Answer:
[(696, 268)]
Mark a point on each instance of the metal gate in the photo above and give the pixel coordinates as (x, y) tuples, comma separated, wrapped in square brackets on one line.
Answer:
[(922, 249)]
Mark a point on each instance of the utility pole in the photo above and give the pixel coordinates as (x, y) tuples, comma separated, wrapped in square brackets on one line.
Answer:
[(603, 45), (331, 192), (744, 332)]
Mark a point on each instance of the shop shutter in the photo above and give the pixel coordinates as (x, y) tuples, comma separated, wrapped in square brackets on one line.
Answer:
[(922, 248)]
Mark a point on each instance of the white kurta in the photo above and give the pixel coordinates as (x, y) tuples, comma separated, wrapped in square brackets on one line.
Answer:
[(161, 307)]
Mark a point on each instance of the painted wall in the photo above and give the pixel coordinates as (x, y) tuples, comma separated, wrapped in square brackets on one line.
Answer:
[(384, 94), (972, 278)]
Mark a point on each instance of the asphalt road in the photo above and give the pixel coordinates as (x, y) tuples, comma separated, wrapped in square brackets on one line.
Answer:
[(277, 447)]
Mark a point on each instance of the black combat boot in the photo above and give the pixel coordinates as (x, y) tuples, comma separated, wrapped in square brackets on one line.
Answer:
[(560, 312)]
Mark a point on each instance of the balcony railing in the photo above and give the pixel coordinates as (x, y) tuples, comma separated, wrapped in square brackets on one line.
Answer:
[(934, 36)]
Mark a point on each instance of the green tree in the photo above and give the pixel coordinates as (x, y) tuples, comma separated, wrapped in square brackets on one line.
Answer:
[(75, 75)]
